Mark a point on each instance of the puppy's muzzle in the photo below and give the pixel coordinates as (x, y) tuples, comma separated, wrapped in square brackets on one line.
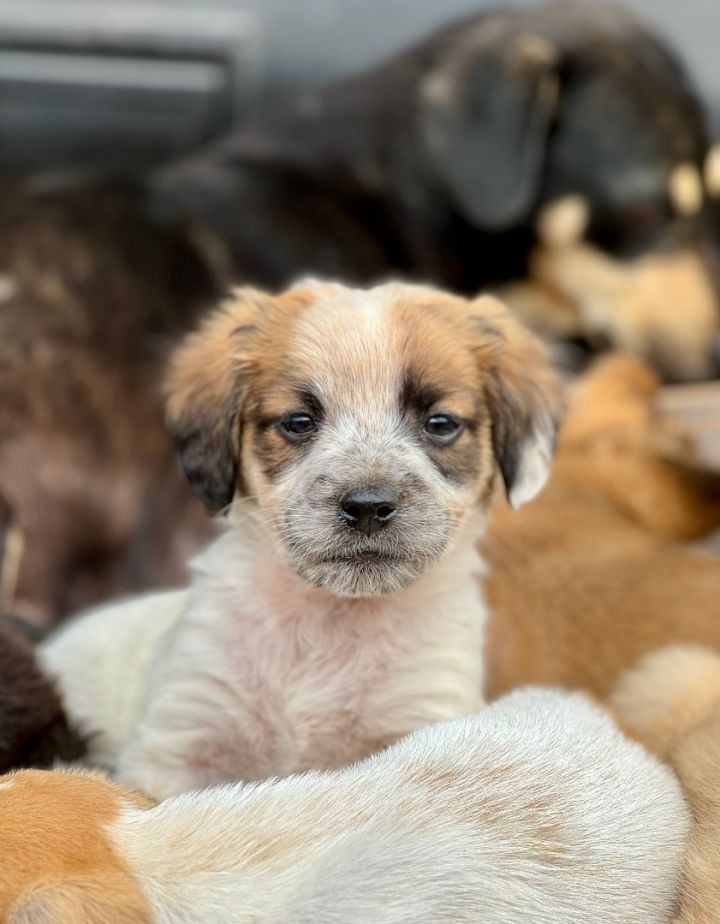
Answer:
[(369, 509)]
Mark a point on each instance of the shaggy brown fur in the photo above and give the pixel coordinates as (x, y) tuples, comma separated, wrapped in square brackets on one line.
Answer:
[(591, 575)]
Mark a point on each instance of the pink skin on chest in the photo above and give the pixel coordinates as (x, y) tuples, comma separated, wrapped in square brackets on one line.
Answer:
[(303, 680)]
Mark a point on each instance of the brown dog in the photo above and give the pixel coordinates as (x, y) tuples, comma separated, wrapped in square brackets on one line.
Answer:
[(90, 297), (591, 575), (671, 702)]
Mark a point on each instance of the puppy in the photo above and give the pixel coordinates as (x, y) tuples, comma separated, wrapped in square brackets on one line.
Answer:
[(559, 148), (537, 811), (671, 702), (357, 438), (592, 575)]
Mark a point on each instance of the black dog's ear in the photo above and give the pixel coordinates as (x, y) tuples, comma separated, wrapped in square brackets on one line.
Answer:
[(207, 379), (485, 113)]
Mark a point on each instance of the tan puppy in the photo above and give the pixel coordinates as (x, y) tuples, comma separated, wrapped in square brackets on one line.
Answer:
[(583, 581), (671, 702), (357, 438), (536, 811)]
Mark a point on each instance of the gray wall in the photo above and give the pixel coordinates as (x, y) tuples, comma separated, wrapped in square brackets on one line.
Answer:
[(309, 41)]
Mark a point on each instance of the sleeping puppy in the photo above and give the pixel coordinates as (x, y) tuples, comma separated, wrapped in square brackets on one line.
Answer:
[(560, 146), (537, 811), (671, 702), (596, 571), (357, 438)]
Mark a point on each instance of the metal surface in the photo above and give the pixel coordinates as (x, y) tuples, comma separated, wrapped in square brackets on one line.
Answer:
[(117, 82)]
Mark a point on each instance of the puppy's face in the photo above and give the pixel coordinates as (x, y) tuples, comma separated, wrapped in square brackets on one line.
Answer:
[(366, 425)]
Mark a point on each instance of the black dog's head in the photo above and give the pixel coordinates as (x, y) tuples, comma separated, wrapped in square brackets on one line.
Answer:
[(575, 119), (521, 108)]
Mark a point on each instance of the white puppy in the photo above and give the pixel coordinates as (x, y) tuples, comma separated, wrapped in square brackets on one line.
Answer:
[(536, 811), (358, 437)]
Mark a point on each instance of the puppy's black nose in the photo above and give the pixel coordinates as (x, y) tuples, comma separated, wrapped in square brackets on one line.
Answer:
[(368, 509)]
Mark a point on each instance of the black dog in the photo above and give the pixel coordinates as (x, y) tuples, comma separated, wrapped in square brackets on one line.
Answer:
[(561, 145)]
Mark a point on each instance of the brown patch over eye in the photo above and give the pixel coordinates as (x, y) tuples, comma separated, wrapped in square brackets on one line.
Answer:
[(417, 397), (273, 453), (282, 422), (461, 461), (433, 411)]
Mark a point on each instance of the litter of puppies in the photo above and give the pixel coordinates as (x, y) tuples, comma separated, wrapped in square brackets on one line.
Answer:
[(443, 645)]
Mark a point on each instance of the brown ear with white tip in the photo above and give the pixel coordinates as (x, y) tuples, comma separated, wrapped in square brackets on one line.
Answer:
[(523, 398), (208, 379), (205, 384)]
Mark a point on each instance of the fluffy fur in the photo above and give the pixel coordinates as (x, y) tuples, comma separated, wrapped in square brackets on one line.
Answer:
[(671, 702), (595, 572), (537, 811), (305, 642)]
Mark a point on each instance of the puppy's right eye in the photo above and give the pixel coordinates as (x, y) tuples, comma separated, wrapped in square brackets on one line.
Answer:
[(296, 428)]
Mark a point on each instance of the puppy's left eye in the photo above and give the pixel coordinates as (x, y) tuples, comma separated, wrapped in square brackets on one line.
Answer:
[(297, 427), (442, 429)]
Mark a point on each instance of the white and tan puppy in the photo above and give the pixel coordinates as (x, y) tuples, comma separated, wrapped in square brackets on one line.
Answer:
[(536, 811), (357, 438)]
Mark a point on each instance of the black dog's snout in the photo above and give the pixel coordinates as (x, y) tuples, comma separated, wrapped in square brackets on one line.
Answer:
[(368, 509)]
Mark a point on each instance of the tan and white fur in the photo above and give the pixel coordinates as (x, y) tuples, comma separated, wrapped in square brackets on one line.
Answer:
[(307, 639), (536, 811), (671, 702)]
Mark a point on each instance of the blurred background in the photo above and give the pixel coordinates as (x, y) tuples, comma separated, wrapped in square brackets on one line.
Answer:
[(154, 153), (76, 76)]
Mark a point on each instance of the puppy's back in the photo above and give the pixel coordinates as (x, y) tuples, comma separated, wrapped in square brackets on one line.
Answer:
[(671, 702), (536, 811)]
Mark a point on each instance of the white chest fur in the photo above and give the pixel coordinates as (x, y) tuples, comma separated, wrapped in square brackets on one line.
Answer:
[(264, 675)]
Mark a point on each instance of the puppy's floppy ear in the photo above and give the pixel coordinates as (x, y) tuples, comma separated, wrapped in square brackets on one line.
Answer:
[(522, 396), (207, 378), (486, 112)]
